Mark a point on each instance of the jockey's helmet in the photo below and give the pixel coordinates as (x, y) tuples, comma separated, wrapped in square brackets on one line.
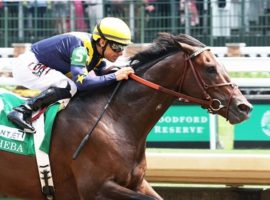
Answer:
[(112, 29)]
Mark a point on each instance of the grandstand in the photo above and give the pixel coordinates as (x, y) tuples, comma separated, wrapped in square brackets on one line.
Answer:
[(214, 22)]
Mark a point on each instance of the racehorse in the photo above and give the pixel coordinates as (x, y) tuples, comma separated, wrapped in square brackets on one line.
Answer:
[(112, 164)]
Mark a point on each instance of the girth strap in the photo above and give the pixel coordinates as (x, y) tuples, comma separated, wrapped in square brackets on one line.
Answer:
[(43, 161)]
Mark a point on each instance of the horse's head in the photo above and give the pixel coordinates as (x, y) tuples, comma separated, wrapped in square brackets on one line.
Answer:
[(211, 81), (184, 64)]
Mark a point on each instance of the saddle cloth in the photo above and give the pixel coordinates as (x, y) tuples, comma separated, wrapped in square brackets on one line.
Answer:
[(15, 140)]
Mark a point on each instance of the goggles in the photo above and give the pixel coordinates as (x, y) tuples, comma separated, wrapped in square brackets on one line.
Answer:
[(117, 47)]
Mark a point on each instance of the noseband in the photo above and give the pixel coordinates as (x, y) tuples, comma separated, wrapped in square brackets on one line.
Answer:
[(213, 105)]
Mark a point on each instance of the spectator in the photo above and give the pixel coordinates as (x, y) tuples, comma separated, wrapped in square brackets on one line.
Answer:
[(192, 12), (37, 10), (118, 8), (60, 13), (158, 14), (203, 13), (94, 11), (79, 15), (13, 9)]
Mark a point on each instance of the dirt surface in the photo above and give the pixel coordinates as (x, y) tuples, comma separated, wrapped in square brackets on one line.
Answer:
[(171, 193)]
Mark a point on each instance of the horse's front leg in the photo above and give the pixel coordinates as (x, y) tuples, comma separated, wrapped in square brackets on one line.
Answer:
[(147, 189), (112, 191)]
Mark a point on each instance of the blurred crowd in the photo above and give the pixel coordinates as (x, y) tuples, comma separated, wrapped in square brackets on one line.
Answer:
[(40, 18)]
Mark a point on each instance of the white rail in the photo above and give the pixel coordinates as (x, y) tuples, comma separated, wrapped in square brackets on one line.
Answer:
[(243, 64), (6, 64), (228, 169), (245, 51), (232, 64), (6, 52)]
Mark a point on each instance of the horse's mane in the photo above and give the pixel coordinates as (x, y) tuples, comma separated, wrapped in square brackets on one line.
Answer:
[(163, 45)]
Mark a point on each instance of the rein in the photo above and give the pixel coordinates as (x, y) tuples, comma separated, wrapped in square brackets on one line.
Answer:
[(87, 137), (213, 105), (182, 96)]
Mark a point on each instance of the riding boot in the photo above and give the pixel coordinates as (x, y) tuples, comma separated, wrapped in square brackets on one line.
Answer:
[(21, 115)]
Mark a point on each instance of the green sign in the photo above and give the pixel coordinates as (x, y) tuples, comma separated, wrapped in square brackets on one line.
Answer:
[(182, 123), (257, 127)]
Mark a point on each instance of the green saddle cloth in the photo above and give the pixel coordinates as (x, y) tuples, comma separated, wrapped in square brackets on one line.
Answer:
[(15, 140)]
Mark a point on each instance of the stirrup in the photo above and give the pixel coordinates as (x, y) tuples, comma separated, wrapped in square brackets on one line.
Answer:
[(14, 117), (27, 130)]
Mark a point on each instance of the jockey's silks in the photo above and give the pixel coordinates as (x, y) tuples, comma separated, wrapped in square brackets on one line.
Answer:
[(74, 54)]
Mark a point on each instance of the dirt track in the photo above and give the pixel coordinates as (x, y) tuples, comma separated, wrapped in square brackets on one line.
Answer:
[(230, 193)]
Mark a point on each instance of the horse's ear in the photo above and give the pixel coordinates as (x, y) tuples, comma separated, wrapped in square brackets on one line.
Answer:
[(186, 47)]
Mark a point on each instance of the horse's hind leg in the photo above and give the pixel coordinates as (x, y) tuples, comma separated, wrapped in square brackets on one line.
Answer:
[(113, 191)]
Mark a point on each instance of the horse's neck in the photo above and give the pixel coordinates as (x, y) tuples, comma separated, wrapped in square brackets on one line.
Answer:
[(143, 112), (141, 106), (135, 108)]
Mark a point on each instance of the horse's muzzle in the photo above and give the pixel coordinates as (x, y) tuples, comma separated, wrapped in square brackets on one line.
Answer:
[(239, 112)]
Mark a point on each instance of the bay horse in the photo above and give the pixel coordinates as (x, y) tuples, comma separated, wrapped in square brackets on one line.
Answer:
[(112, 164)]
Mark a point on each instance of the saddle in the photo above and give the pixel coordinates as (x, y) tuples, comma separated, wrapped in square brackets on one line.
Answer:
[(14, 140)]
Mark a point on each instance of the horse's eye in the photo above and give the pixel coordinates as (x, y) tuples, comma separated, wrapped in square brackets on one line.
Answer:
[(211, 70)]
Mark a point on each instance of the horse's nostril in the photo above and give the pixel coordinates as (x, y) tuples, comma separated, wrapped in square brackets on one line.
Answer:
[(245, 107)]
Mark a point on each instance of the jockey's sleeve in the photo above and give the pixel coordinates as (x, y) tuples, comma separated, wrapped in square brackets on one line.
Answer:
[(101, 69), (83, 79)]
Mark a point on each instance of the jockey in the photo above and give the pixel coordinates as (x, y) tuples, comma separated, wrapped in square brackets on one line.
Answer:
[(61, 65)]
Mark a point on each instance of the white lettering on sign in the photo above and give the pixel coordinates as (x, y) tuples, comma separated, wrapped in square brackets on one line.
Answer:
[(183, 119), (11, 146), (12, 133), (178, 130)]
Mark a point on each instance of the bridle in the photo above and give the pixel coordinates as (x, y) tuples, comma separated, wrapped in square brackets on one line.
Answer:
[(212, 104)]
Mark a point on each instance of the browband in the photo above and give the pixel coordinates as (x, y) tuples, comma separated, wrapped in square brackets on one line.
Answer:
[(199, 51)]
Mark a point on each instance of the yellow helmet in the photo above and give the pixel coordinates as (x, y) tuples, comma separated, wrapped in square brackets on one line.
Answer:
[(113, 29)]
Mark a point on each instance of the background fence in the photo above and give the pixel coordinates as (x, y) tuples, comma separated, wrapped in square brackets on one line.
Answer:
[(214, 22)]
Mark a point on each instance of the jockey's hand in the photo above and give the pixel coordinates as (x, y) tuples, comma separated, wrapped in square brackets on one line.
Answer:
[(123, 73)]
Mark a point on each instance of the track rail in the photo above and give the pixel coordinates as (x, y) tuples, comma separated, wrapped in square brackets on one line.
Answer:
[(228, 169)]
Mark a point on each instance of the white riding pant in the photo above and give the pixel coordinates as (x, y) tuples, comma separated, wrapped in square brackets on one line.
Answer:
[(32, 74)]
